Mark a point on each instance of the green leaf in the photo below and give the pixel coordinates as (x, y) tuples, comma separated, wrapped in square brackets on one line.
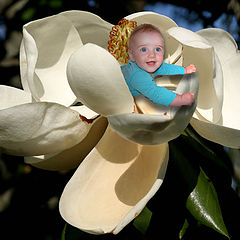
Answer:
[(203, 204), (28, 14), (55, 3), (64, 232), (212, 157), (71, 233), (184, 229), (142, 221)]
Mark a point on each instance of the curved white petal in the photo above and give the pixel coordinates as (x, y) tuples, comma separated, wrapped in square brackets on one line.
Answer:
[(46, 47), (165, 125), (72, 157), (11, 97), (224, 48), (189, 38), (40, 128), (231, 108), (112, 186), (197, 50), (227, 129), (91, 28), (25, 68), (96, 79), (225, 136), (28, 59), (219, 38)]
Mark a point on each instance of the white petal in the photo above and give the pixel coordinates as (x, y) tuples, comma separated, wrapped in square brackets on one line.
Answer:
[(96, 79), (47, 45), (231, 108), (11, 97), (219, 38), (25, 68), (28, 60), (113, 184), (227, 130), (90, 27), (72, 157), (225, 48), (40, 128), (225, 136), (189, 38), (165, 125), (199, 51)]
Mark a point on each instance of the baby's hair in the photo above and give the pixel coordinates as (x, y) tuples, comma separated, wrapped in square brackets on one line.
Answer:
[(143, 28)]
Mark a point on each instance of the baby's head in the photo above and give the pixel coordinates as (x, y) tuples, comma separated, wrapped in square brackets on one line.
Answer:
[(146, 47)]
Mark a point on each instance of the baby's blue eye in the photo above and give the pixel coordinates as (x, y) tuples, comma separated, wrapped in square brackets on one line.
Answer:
[(158, 49), (143, 49)]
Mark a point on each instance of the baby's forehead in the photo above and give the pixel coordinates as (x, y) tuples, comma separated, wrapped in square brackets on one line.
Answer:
[(147, 35), (148, 32)]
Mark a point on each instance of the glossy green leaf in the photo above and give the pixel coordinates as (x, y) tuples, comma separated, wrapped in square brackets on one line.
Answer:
[(64, 232), (142, 221), (203, 204), (71, 233), (184, 229), (212, 157)]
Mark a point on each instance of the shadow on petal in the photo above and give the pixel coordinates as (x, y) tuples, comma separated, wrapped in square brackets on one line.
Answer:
[(133, 185), (98, 197), (226, 131), (71, 157)]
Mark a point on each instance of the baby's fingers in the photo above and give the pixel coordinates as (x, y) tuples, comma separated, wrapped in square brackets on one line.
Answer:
[(191, 68)]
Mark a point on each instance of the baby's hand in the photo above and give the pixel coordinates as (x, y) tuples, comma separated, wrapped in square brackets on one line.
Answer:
[(184, 99), (191, 68), (187, 98)]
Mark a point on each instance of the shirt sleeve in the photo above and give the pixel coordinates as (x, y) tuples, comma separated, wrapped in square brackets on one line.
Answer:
[(145, 85), (170, 69)]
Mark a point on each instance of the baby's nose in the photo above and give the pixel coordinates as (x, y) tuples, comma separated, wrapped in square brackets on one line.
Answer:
[(151, 54)]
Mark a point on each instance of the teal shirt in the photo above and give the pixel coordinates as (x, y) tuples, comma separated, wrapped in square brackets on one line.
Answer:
[(140, 82)]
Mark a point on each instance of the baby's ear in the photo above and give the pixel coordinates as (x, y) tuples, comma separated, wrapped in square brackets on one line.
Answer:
[(131, 55)]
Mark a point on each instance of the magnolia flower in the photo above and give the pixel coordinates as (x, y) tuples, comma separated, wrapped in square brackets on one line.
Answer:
[(123, 154)]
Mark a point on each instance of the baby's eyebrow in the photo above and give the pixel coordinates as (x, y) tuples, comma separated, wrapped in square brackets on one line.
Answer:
[(146, 45), (143, 45)]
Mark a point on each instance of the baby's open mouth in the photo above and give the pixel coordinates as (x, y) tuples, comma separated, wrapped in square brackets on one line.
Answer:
[(151, 63)]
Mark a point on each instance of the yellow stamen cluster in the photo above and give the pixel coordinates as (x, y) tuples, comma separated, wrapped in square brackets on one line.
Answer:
[(118, 43)]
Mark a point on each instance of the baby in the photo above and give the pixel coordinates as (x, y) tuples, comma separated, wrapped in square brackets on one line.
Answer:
[(146, 52)]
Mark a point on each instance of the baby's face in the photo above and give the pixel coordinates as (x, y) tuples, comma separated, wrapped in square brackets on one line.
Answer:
[(147, 50)]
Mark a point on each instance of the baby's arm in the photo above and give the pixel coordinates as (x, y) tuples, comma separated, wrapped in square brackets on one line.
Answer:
[(189, 69), (143, 83), (172, 69), (183, 99)]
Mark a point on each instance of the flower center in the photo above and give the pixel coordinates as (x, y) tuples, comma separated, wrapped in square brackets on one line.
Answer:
[(118, 43)]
